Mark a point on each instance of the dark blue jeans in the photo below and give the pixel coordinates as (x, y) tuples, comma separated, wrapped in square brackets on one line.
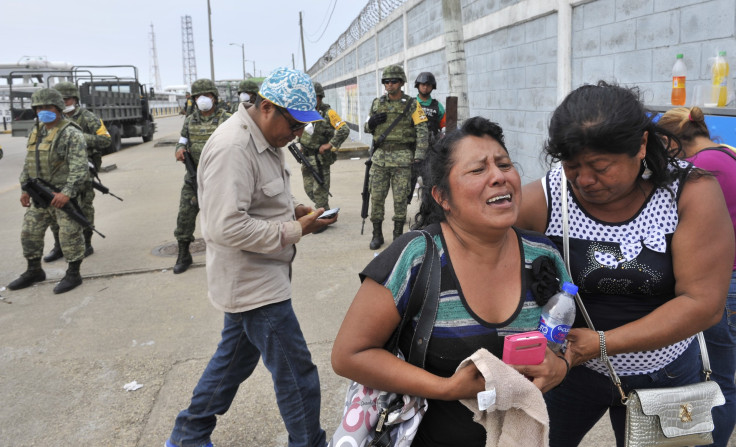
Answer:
[(272, 332), (584, 396), (721, 341)]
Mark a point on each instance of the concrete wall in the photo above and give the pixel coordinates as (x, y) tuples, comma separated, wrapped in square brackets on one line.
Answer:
[(523, 56)]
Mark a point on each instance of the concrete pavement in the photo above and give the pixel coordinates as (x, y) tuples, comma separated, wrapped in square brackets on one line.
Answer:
[(65, 358)]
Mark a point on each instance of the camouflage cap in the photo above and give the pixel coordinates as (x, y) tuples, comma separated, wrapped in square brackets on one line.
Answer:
[(248, 86), (67, 89), (293, 91), (202, 86), (393, 71), (319, 90), (47, 97)]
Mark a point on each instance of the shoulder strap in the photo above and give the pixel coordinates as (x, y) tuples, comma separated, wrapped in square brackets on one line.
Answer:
[(728, 152), (393, 124), (423, 301)]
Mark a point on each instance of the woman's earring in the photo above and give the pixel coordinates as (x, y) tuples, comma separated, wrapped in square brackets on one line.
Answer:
[(647, 173)]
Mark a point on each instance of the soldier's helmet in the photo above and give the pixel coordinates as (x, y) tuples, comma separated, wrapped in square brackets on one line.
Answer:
[(67, 90), (202, 86), (394, 71), (47, 96), (319, 90), (425, 77), (248, 86)]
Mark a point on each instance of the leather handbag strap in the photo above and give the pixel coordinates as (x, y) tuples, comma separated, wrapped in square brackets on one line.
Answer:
[(566, 253), (423, 301), (428, 286)]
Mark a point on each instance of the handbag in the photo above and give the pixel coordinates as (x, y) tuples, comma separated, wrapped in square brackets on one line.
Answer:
[(674, 416), (375, 418)]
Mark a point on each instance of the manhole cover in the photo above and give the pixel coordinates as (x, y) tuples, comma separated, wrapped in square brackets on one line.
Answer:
[(172, 248)]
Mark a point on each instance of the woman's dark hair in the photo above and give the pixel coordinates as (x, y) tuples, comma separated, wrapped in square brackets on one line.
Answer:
[(439, 161), (607, 118)]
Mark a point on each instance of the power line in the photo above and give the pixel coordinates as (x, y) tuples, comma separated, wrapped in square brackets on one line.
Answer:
[(334, 4), (324, 19)]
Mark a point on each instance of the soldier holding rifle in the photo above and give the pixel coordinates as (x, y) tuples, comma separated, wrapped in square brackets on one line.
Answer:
[(197, 128), (57, 156), (97, 139), (400, 139)]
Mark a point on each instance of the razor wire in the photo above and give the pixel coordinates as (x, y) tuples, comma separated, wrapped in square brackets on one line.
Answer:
[(371, 15)]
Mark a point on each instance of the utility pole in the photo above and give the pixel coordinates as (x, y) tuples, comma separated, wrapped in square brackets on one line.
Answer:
[(155, 75), (242, 48), (301, 34), (293, 66), (212, 56)]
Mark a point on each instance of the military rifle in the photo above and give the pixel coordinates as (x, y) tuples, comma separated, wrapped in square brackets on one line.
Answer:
[(97, 184), (304, 161), (366, 194), (42, 193), (191, 170)]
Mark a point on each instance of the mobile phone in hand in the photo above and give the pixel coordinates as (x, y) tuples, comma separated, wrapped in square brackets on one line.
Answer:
[(527, 348), (329, 214)]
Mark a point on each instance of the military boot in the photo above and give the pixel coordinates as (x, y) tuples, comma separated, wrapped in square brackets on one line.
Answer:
[(88, 249), (398, 228), (33, 274), (184, 260), (71, 280), (55, 252), (377, 240)]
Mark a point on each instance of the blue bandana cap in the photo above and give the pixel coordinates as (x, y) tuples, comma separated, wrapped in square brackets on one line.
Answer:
[(293, 90)]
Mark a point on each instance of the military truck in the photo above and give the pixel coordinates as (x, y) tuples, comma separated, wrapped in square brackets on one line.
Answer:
[(121, 102)]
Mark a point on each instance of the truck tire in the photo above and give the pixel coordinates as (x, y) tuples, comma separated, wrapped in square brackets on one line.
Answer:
[(148, 136), (116, 137)]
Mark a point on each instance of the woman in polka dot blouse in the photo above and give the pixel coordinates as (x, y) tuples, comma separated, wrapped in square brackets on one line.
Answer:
[(651, 249)]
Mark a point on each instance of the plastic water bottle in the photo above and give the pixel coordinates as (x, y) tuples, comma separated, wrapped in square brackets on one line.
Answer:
[(558, 315), (678, 82), (719, 74)]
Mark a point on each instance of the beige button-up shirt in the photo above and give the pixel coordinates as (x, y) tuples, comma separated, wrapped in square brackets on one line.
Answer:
[(247, 217)]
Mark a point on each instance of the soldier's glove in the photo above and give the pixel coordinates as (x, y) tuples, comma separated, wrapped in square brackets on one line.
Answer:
[(376, 119)]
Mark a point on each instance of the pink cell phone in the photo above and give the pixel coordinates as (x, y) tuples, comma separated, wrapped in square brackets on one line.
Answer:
[(524, 349)]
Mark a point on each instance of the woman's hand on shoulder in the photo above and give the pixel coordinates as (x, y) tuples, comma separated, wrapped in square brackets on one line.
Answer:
[(548, 374)]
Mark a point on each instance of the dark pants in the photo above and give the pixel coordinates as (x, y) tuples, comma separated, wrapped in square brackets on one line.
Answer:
[(271, 332)]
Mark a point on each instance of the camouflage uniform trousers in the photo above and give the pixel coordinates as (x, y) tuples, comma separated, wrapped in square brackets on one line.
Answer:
[(35, 222), (314, 190), (186, 221), (398, 179), (85, 199)]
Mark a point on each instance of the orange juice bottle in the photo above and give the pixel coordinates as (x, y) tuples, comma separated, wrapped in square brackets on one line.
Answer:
[(678, 82), (719, 72)]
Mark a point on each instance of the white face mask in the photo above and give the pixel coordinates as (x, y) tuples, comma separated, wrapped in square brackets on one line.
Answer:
[(244, 97), (204, 103), (70, 109)]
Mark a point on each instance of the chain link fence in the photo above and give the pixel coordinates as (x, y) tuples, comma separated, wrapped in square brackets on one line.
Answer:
[(373, 12)]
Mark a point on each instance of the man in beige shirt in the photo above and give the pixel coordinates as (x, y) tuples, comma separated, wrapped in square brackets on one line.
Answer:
[(250, 224)]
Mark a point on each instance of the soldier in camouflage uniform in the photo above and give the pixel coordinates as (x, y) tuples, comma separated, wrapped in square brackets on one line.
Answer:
[(247, 91), (405, 145), (320, 148), (198, 127), (57, 154), (98, 139)]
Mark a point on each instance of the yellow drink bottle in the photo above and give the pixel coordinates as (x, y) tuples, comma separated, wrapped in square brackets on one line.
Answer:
[(719, 72)]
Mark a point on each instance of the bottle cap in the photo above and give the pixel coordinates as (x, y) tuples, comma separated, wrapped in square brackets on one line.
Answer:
[(679, 55), (721, 53), (570, 288)]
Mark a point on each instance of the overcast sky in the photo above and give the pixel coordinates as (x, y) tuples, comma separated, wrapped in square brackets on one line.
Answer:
[(117, 32)]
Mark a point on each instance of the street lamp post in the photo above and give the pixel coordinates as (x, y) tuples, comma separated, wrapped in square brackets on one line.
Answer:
[(242, 49)]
